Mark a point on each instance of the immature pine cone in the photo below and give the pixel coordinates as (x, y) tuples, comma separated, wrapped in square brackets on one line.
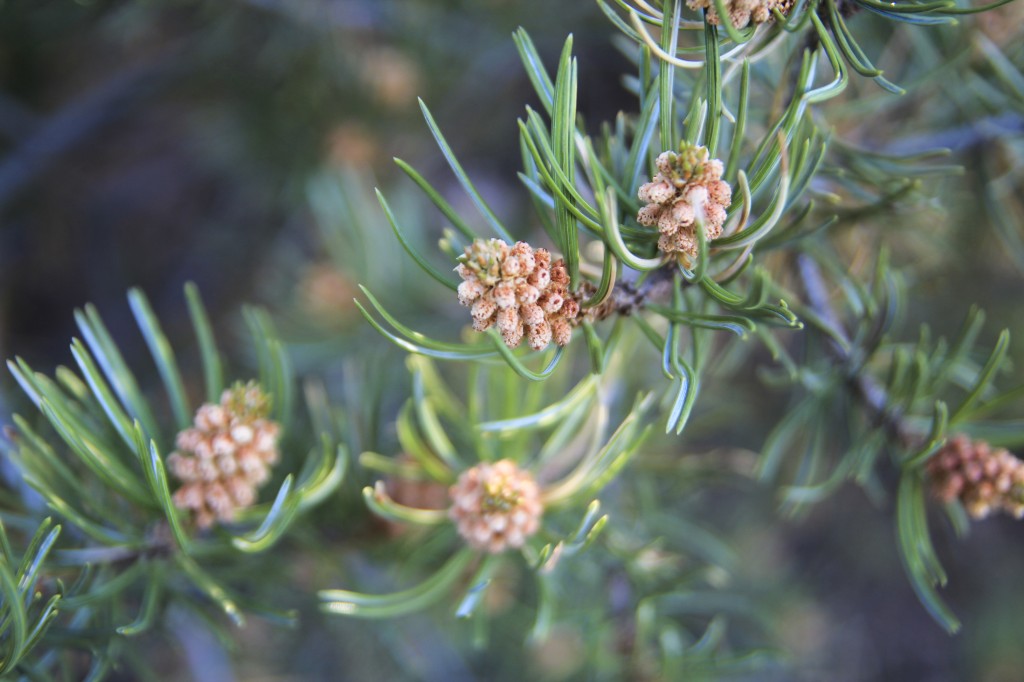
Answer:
[(496, 506), (984, 479), (688, 184), (519, 289), (742, 13), (225, 456)]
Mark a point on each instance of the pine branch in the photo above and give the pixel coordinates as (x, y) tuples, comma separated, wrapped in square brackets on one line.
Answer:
[(627, 298)]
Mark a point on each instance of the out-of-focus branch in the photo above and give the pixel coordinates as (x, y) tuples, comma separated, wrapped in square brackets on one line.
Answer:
[(864, 387), (974, 134), (16, 120), (77, 121)]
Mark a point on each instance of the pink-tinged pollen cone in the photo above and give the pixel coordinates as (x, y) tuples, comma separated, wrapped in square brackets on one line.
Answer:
[(225, 456), (496, 506), (517, 289)]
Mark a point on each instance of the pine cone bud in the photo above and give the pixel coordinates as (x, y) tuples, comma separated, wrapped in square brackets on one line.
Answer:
[(519, 290), (742, 13), (984, 480), (496, 506), (688, 186), (225, 456)]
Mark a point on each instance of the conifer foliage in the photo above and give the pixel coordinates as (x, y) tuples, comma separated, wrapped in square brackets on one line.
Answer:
[(735, 231)]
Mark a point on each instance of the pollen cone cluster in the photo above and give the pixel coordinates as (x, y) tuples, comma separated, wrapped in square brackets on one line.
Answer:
[(687, 188), (984, 479), (225, 456), (742, 13), (518, 289), (495, 506)]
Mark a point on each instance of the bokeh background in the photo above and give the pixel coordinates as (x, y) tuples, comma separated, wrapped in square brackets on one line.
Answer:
[(233, 143)]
